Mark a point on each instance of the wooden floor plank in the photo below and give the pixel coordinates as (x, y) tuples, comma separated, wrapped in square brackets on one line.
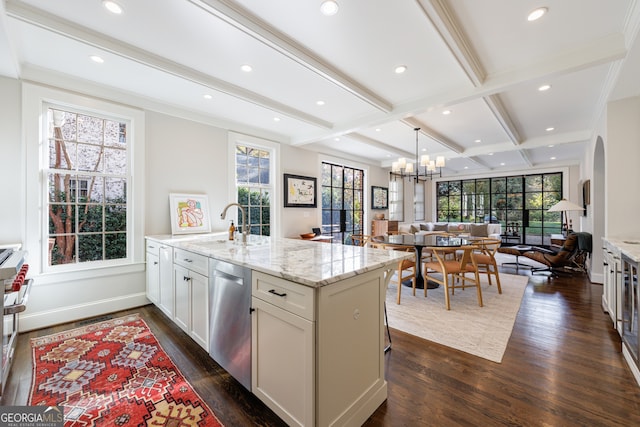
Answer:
[(563, 366)]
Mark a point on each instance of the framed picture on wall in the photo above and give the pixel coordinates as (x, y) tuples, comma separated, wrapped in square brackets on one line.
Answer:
[(299, 191), (379, 197), (189, 213)]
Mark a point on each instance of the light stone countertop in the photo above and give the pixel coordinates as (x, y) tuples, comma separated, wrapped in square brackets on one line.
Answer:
[(627, 246), (310, 263)]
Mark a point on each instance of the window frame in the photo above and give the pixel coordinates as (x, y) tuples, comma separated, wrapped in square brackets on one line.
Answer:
[(36, 100), (47, 170), (235, 139)]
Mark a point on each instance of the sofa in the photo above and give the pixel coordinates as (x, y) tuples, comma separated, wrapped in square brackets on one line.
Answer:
[(466, 228)]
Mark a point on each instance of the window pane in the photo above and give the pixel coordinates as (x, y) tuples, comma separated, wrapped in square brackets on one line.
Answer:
[(96, 146)]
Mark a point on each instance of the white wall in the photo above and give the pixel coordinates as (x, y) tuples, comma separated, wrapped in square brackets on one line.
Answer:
[(183, 156), (297, 161), (622, 154), (12, 207)]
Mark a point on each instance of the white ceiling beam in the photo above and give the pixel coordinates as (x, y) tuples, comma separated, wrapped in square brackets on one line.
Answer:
[(49, 22), (242, 19), (381, 145), (525, 157), (452, 34), (502, 116), (604, 51), (427, 131)]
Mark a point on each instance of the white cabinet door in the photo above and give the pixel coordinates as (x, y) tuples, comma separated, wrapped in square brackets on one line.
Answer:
[(283, 362), (153, 278), (192, 304), (165, 258), (200, 309), (182, 313)]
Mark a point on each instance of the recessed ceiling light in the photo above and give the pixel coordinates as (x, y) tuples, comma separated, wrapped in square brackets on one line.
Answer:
[(536, 13), (466, 167), (276, 119), (112, 7), (544, 87), (446, 112), (336, 139), (321, 103), (96, 59), (550, 145), (246, 68), (400, 69), (478, 141), (502, 164), (490, 154), (207, 96), (549, 129), (378, 130), (329, 7), (552, 158)]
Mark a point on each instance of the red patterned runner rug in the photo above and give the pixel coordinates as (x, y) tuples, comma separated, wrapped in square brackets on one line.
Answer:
[(114, 373)]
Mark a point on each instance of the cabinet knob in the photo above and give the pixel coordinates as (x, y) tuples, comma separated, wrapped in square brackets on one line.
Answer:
[(186, 278), (188, 260), (155, 262)]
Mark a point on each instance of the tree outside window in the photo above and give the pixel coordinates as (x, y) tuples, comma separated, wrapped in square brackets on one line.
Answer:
[(87, 179)]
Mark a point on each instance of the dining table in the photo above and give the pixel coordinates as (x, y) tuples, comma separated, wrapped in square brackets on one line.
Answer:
[(420, 242)]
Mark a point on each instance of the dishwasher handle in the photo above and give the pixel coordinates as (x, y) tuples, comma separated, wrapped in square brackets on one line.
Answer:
[(230, 277)]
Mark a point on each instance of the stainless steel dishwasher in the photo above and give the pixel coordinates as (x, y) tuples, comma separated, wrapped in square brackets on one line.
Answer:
[(230, 328)]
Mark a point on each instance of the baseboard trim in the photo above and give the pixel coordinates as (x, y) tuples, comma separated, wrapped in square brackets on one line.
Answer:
[(45, 319)]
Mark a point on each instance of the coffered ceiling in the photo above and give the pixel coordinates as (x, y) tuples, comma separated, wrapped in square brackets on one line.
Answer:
[(483, 61)]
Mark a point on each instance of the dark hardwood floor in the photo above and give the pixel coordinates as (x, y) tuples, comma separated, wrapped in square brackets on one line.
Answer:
[(563, 367)]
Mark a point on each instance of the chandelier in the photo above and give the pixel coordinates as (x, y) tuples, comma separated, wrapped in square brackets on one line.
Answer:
[(425, 168)]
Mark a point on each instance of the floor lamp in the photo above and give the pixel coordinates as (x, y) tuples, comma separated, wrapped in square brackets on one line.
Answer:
[(563, 206)]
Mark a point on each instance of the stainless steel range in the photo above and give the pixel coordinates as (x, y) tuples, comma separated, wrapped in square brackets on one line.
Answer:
[(13, 272)]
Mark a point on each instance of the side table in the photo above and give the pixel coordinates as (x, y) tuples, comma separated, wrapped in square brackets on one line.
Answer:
[(510, 238)]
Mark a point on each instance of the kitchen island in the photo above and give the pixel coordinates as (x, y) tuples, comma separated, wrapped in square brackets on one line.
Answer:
[(316, 315)]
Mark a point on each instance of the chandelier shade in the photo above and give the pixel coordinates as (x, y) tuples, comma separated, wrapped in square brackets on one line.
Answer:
[(422, 169)]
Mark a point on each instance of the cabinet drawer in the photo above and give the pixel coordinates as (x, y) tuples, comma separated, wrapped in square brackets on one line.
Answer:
[(153, 247), (192, 261), (290, 296)]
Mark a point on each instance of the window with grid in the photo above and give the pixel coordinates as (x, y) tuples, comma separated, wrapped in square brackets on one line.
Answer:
[(254, 187), (87, 174), (520, 203), (342, 201), (396, 200)]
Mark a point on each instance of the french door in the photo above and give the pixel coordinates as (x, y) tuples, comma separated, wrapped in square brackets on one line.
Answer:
[(342, 201)]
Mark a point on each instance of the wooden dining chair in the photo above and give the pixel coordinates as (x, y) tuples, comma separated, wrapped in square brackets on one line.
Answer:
[(451, 270), (485, 258), (405, 270), (360, 239)]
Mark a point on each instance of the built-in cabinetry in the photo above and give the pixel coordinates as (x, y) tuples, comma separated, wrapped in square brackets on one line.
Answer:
[(153, 272), (160, 276), (382, 227), (620, 296), (191, 292), (316, 340), (611, 270), (283, 339), (319, 348), (629, 314)]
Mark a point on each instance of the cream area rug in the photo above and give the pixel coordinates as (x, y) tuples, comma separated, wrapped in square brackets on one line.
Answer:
[(481, 331)]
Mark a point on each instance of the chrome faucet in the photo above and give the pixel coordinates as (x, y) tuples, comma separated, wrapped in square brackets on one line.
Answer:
[(243, 229)]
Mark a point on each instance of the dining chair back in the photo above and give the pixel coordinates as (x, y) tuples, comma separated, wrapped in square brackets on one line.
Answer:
[(453, 273), (485, 259), (405, 270), (360, 239)]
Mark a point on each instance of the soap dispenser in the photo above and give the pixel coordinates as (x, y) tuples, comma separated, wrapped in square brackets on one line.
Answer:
[(232, 231)]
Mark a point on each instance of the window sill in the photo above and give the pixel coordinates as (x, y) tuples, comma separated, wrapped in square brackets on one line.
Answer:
[(89, 273)]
